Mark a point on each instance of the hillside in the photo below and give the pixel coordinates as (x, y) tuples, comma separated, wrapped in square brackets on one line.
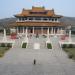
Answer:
[(6, 21), (68, 20)]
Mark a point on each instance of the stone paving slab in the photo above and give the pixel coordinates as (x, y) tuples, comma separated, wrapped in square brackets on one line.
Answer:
[(18, 61)]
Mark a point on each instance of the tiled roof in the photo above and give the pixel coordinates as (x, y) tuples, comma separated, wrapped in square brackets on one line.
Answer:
[(37, 11)]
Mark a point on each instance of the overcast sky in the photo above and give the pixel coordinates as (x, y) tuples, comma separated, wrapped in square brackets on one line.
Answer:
[(8, 8)]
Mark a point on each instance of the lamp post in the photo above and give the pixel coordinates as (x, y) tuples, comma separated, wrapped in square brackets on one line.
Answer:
[(48, 33), (4, 38), (26, 32), (70, 34)]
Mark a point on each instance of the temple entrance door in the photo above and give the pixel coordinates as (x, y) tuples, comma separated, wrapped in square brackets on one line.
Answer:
[(37, 30), (31, 30)]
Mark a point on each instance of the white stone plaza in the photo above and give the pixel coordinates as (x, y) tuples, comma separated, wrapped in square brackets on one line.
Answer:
[(19, 61)]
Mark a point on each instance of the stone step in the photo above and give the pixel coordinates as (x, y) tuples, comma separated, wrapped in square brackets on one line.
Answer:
[(17, 43), (31, 45)]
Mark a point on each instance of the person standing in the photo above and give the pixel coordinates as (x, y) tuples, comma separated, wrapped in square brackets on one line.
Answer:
[(34, 62)]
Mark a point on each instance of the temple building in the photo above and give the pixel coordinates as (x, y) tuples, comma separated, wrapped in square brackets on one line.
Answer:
[(38, 20)]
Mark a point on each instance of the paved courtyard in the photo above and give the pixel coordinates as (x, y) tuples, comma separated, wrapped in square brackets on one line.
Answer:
[(18, 61)]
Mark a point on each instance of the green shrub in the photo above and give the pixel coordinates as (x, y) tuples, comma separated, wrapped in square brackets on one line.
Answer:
[(70, 46), (1, 55), (70, 55), (64, 46), (6, 45), (7, 48), (65, 49), (70, 52), (9, 45), (74, 57), (3, 50), (2, 44), (49, 46), (24, 45), (73, 45)]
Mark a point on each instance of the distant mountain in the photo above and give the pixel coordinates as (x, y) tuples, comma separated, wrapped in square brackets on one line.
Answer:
[(7, 21), (68, 20)]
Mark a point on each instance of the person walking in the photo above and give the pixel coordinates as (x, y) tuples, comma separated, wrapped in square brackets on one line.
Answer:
[(34, 62)]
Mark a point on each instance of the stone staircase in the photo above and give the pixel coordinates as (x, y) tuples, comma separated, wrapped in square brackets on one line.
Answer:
[(17, 43), (43, 45), (30, 46), (36, 40), (31, 43)]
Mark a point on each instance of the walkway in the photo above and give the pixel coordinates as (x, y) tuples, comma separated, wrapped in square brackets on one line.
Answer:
[(18, 61)]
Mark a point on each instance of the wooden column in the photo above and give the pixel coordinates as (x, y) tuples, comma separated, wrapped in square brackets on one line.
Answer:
[(61, 31), (58, 31), (48, 32), (33, 30), (52, 30), (17, 30), (42, 30), (23, 30)]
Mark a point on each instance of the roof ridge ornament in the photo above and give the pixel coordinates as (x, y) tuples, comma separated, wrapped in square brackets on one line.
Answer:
[(23, 9), (38, 7)]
